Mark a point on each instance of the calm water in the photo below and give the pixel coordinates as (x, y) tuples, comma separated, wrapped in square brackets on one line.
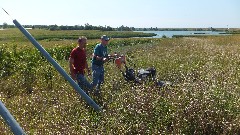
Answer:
[(171, 33)]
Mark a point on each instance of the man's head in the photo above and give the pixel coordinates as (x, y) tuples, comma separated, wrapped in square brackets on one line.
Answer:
[(82, 42), (105, 39)]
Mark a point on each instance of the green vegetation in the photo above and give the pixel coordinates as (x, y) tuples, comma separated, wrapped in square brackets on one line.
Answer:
[(39, 34), (204, 98)]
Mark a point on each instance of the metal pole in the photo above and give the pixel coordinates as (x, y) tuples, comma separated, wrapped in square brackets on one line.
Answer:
[(12, 123), (57, 66)]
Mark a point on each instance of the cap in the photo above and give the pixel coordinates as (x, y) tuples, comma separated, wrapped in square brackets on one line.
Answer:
[(104, 37)]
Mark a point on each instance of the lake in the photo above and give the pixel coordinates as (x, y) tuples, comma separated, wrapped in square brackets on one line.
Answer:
[(169, 34)]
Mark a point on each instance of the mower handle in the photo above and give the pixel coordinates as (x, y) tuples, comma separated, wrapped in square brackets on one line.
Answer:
[(115, 56)]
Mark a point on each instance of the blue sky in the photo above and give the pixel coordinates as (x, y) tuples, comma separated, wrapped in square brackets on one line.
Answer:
[(132, 13)]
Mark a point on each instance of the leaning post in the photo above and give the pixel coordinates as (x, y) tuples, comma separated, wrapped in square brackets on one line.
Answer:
[(8, 118)]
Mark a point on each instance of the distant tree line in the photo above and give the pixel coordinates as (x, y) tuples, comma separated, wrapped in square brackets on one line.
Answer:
[(75, 27), (108, 28)]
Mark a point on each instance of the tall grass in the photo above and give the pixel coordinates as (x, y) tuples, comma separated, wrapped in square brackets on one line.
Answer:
[(204, 97)]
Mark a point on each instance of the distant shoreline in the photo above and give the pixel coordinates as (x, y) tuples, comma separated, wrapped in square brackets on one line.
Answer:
[(187, 29)]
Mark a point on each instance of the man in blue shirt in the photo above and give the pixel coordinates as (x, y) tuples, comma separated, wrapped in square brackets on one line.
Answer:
[(100, 56)]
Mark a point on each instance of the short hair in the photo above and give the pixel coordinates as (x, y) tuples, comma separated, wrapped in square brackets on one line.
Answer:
[(80, 38)]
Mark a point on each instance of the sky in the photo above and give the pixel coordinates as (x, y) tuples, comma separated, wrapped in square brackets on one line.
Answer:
[(131, 13)]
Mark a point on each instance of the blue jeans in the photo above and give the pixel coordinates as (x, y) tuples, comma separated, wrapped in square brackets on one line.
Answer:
[(97, 76), (83, 83)]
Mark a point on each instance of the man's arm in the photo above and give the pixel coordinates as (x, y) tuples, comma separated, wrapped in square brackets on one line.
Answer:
[(96, 53), (100, 58), (72, 68), (88, 69)]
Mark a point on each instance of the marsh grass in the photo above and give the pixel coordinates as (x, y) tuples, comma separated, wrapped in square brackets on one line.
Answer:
[(204, 97)]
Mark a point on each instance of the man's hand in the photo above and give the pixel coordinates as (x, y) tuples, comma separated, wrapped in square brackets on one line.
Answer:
[(105, 59)]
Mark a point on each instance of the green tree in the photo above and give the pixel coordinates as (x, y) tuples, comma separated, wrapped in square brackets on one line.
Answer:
[(5, 25)]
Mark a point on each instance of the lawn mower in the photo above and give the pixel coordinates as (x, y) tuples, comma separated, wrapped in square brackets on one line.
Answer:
[(136, 76)]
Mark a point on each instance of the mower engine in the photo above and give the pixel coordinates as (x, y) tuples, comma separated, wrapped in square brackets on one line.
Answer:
[(149, 73)]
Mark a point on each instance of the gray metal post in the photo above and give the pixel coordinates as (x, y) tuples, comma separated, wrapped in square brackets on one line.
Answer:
[(57, 66), (12, 123)]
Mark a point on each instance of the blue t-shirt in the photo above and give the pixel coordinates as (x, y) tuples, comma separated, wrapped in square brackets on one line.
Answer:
[(100, 51)]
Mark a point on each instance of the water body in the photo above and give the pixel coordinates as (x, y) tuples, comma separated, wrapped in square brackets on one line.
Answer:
[(169, 34)]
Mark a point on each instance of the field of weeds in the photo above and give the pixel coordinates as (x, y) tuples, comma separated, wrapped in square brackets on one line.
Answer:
[(204, 97)]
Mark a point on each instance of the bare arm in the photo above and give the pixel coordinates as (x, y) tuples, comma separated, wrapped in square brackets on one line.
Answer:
[(98, 57), (88, 69), (71, 61)]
